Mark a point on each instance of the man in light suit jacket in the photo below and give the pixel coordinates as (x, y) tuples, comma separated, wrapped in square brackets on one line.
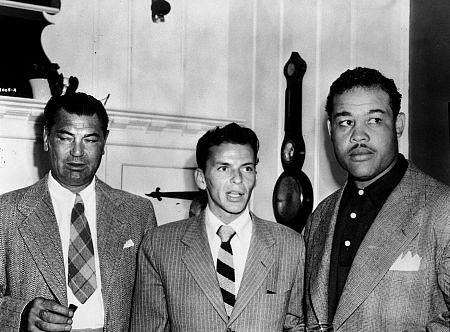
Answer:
[(378, 249), (191, 279), (37, 267)]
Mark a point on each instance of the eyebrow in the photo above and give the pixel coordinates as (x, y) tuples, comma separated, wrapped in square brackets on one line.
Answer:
[(62, 131), (346, 113), (93, 134), (224, 163)]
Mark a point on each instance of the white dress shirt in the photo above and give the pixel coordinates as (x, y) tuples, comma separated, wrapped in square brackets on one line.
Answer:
[(240, 242), (91, 313)]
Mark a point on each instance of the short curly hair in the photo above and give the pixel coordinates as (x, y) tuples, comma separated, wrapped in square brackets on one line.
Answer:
[(231, 133), (367, 78)]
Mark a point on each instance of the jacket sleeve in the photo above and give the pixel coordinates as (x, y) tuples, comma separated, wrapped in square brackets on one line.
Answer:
[(149, 310), (294, 317), (441, 216), (151, 218), (10, 308), (442, 321), (10, 313)]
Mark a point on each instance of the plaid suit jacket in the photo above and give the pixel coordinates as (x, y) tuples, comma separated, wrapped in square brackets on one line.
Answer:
[(177, 287), (31, 259), (400, 277)]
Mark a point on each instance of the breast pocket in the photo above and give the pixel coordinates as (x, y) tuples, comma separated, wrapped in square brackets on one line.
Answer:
[(277, 290)]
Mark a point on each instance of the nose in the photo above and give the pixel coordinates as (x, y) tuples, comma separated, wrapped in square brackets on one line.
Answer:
[(77, 149), (359, 134), (236, 176)]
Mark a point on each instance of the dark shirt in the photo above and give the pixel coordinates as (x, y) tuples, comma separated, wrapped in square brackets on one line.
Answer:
[(357, 211)]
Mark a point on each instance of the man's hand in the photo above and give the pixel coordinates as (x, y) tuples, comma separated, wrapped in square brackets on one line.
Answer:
[(47, 315)]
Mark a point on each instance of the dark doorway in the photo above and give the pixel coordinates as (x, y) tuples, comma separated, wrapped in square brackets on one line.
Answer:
[(429, 94)]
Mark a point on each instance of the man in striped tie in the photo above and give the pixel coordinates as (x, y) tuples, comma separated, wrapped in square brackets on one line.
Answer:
[(224, 269)]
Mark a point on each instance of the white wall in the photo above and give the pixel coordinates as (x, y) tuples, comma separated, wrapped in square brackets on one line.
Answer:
[(210, 62)]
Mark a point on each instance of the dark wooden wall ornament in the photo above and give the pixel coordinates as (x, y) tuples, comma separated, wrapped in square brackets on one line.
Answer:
[(160, 8), (292, 198), (199, 198), (188, 195)]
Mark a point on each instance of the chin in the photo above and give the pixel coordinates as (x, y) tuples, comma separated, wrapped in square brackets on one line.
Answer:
[(236, 211)]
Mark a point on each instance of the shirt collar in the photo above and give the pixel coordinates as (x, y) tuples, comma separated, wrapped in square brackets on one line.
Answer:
[(59, 192), (213, 223)]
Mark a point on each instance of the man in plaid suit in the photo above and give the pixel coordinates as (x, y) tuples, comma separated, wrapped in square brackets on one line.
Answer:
[(70, 238)]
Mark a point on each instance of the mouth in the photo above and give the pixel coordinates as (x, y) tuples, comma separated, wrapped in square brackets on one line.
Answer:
[(361, 154), (76, 166), (234, 195)]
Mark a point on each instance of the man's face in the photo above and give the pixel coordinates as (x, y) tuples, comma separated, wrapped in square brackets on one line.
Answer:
[(229, 179), (364, 133), (75, 145)]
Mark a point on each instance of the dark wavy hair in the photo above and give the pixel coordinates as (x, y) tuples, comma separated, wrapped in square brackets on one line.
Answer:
[(78, 103), (362, 77), (231, 133)]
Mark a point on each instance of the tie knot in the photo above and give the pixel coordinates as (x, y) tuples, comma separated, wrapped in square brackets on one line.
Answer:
[(225, 233), (78, 201)]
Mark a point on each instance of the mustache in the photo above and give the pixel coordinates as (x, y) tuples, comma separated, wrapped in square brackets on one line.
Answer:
[(360, 147)]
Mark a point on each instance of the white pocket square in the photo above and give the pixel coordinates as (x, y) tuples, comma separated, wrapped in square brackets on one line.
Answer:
[(406, 262), (128, 244)]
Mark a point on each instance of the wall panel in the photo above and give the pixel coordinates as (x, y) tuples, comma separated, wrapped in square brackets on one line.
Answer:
[(212, 62)]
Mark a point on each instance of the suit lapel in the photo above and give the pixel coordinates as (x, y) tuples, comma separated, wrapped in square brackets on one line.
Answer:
[(40, 233), (259, 261), (393, 228), (111, 229), (320, 261), (198, 261)]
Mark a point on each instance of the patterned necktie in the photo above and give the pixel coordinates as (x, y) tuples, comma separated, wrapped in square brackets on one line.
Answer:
[(225, 268), (81, 266)]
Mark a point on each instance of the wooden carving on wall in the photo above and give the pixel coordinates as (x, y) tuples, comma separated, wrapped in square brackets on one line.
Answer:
[(292, 198), (199, 198)]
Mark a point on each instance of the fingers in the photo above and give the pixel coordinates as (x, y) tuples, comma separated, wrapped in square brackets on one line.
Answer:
[(48, 315), (42, 325), (56, 308)]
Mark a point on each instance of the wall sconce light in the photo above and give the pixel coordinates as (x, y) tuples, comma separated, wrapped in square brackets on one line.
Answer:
[(159, 8)]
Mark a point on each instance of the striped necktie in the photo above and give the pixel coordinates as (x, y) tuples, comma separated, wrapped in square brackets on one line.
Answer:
[(225, 268), (81, 268)]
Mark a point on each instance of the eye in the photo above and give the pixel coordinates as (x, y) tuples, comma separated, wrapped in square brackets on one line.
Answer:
[(222, 168), (345, 123), (91, 140), (64, 137), (248, 169), (374, 120)]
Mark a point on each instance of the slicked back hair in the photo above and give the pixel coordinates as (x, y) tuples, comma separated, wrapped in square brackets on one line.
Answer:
[(231, 133), (77, 103)]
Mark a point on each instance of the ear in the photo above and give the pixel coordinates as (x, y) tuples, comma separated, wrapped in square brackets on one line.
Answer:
[(45, 137), (106, 137), (329, 127), (200, 179), (400, 124)]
